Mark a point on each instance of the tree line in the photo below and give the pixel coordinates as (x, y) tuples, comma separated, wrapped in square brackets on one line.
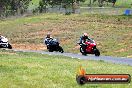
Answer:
[(11, 7), (100, 2), (63, 3), (20, 6)]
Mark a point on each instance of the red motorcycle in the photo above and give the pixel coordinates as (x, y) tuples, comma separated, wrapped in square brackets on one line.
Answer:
[(90, 48)]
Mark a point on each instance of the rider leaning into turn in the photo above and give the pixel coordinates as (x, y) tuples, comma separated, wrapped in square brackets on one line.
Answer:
[(47, 40), (83, 39)]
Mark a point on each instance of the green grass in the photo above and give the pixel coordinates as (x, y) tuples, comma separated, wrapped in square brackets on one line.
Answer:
[(125, 3), (31, 70)]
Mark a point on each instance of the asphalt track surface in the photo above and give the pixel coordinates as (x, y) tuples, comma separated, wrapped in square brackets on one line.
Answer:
[(110, 59)]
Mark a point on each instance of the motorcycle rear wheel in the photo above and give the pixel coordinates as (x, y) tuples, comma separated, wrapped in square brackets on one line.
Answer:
[(82, 51)]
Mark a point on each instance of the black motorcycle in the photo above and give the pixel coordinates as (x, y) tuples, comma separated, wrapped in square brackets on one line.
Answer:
[(54, 46)]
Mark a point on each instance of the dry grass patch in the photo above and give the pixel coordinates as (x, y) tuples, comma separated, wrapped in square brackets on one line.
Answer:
[(8, 53), (29, 46)]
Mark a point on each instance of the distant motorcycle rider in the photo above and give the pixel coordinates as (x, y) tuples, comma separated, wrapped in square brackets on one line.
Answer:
[(83, 39), (113, 1), (47, 40)]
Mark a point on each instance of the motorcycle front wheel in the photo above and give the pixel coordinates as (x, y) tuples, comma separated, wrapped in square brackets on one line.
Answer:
[(61, 49), (96, 52), (9, 46)]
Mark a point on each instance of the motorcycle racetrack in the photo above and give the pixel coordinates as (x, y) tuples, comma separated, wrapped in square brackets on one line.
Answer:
[(110, 59), (112, 34)]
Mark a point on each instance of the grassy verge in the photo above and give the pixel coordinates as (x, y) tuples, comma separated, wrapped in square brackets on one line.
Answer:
[(31, 70), (124, 3)]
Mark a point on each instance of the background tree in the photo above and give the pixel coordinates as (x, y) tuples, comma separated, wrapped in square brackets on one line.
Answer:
[(14, 5), (63, 3), (42, 5), (72, 3), (101, 2)]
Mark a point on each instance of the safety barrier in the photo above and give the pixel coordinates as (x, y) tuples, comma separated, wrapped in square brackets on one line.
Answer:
[(128, 12)]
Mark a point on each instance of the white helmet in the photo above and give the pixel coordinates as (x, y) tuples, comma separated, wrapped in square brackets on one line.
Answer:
[(85, 34)]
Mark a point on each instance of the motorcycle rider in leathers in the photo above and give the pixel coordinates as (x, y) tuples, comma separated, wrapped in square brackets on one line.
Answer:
[(47, 40), (83, 39)]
